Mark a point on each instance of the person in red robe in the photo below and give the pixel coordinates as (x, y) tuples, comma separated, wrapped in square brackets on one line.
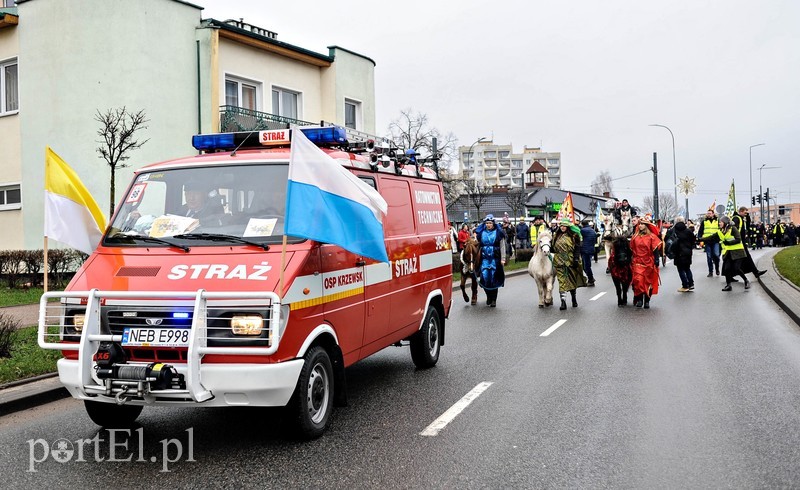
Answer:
[(644, 242)]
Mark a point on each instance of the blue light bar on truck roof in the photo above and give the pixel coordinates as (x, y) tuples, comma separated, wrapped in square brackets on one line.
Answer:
[(328, 135)]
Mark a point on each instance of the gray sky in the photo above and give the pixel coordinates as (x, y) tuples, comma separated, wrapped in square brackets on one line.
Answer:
[(583, 77)]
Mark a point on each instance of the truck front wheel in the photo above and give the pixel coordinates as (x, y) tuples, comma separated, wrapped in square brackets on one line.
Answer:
[(111, 415), (425, 344), (312, 402)]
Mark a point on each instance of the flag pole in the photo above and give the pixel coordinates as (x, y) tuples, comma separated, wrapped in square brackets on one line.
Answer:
[(283, 266), (46, 266)]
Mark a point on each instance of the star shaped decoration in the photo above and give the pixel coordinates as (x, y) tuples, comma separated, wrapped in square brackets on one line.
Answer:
[(686, 185)]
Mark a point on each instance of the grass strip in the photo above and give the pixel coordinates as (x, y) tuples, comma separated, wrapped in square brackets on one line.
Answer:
[(788, 263), (27, 358)]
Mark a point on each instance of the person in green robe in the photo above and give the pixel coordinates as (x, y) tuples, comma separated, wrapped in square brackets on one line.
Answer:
[(567, 261)]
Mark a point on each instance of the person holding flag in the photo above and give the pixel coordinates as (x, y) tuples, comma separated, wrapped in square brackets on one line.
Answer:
[(567, 260)]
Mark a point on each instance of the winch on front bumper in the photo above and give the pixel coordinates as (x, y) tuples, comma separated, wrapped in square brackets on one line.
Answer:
[(103, 371)]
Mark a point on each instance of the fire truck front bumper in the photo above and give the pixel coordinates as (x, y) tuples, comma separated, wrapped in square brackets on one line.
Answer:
[(263, 385)]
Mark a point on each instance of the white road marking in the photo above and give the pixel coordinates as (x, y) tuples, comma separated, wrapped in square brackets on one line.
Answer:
[(553, 328), (456, 409), (598, 296)]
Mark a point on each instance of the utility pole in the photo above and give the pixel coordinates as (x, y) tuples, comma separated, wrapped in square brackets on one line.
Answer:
[(655, 187)]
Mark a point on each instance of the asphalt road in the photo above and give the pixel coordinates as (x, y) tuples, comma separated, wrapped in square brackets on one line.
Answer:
[(700, 391)]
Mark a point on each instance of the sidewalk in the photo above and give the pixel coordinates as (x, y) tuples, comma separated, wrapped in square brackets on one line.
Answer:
[(43, 389)]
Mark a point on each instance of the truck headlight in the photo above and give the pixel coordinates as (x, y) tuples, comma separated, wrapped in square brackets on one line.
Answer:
[(247, 324), (78, 321)]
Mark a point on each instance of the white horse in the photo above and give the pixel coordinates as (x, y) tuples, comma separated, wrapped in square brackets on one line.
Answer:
[(541, 268)]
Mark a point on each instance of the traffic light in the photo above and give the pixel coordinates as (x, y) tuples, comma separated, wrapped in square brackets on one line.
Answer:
[(753, 198), (758, 198), (781, 209)]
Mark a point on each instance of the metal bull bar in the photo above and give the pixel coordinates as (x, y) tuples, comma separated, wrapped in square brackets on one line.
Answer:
[(91, 336)]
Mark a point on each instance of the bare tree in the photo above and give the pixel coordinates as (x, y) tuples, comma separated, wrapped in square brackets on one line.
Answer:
[(668, 209), (602, 183), (477, 194), (412, 130), (516, 200), (118, 128), (453, 188)]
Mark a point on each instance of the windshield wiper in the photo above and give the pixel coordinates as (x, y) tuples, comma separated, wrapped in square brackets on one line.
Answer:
[(219, 237), (123, 236)]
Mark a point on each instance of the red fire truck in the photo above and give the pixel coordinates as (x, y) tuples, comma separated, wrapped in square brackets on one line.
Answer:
[(181, 303)]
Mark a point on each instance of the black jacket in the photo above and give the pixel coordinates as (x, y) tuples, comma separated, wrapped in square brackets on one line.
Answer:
[(683, 246)]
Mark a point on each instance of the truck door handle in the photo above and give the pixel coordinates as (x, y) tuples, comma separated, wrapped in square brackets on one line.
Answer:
[(361, 263)]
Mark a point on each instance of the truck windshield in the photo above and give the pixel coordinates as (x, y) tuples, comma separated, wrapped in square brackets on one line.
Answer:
[(187, 204)]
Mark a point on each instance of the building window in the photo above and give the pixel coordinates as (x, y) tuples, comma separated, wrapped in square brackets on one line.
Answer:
[(9, 87), (352, 114), (490, 154), (10, 197), (504, 154), (285, 103), (241, 93)]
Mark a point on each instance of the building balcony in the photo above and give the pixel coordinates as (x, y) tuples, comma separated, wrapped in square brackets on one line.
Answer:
[(233, 118)]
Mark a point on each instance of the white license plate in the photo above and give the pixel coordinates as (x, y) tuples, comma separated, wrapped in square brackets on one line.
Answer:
[(156, 337)]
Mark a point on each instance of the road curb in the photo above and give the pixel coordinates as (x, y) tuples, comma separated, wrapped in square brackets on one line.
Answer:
[(30, 393), (785, 302)]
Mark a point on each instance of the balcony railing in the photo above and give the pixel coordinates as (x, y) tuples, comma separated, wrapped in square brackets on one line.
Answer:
[(233, 118)]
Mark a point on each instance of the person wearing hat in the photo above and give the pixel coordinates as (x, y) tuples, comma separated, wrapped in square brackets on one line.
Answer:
[(567, 261), (644, 242), (491, 257), (200, 202), (537, 226), (733, 252)]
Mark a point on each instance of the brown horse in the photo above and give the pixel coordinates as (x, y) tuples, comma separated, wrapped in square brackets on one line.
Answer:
[(469, 262)]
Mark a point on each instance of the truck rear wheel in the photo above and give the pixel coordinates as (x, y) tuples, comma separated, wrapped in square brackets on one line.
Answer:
[(312, 402), (111, 415), (425, 344)]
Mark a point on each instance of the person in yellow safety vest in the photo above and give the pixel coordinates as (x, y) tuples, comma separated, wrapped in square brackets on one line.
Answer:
[(777, 234), (741, 221), (708, 228), (732, 252), (537, 226)]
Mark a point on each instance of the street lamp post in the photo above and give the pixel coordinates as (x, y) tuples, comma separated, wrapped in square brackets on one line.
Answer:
[(674, 168), (760, 191), (469, 152), (751, 168)]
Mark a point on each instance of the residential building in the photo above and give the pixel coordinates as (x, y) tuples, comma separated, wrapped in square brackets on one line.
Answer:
[(187, 73), (495, 165)]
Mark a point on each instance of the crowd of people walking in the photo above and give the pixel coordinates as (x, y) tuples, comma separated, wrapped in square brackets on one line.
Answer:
[(726, 242)]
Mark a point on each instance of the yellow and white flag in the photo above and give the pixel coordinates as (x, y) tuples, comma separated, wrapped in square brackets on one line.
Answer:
[(71, 214)]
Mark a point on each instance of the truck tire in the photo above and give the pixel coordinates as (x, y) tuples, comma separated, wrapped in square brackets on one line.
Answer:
[(425, 344), (312, 402), (111, 415)]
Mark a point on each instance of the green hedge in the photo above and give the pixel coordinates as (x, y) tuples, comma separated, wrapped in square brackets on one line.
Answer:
[(25, 268)]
